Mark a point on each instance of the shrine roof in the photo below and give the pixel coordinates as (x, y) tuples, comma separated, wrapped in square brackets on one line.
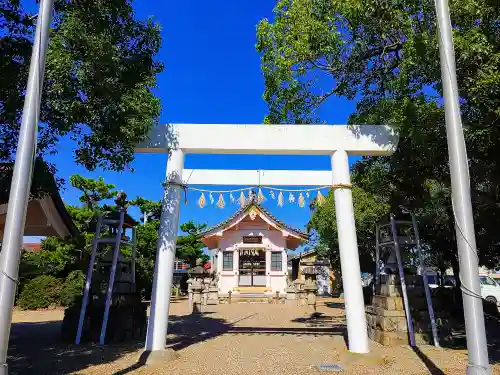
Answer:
[(44, 188), (252, 202)]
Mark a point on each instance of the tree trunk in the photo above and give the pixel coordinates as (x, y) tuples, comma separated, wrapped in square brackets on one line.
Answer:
[(456, 271), (442, 272)]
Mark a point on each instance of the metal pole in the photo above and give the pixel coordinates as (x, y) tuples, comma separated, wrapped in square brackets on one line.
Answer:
[(462, 207), (134, 252), (111, 282), (377, 259), (21, 179), (88, 282), (409, 321), (423, 272)]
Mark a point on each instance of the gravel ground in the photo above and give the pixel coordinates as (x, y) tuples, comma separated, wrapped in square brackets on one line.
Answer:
[(227, 339)]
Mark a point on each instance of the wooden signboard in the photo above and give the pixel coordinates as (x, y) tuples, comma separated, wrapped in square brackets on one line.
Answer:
[(252, 239)]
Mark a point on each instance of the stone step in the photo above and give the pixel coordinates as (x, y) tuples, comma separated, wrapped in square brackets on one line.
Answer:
[(249, 297), (250, 300), (251, 289)]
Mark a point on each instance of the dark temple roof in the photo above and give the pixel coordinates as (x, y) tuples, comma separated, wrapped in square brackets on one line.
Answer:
[(43, 184), (252, 202)]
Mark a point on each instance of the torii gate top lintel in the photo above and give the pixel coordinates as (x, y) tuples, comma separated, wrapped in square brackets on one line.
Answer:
[(272, 139)]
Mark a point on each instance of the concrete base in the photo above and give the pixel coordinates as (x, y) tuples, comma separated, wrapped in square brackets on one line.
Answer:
[(157, 358), (386, 317)]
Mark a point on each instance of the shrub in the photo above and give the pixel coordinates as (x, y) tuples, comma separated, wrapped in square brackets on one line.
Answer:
[(40, 292), (72, 289)]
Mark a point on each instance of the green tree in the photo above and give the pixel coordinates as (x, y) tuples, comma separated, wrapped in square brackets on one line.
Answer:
[(150, 210), (41, 292), (99, 79), (385, 56), (430, 202), (368, 208), (147, 243), (58, 257), (93, 191), (190, 247), (66, 259)]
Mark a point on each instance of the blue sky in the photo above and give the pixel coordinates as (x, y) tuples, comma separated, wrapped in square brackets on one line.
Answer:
[(212, 75)]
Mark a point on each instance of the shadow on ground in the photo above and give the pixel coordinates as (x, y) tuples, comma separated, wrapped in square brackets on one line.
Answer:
[(188, 330), (492, 321), (335, 305), (192, 329), (492, 324), (35, 348)]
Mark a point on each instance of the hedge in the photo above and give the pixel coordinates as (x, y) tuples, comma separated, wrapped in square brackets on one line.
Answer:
[(72, 289), (46, 291), (40, 292)]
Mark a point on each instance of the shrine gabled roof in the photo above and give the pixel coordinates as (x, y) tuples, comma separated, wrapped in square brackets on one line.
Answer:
[(43, 185), (252, 202)]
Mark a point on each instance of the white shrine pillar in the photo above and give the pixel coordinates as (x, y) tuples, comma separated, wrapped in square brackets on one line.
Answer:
[(349, 257), (268, 267), (219, 260), (284, 263), (236, 266), (165, 256)]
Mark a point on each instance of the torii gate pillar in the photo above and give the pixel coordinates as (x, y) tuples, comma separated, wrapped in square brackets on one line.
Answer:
[(349, 257), (165, 255)]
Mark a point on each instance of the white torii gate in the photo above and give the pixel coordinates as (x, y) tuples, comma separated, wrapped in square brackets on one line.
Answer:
[(337, 141)]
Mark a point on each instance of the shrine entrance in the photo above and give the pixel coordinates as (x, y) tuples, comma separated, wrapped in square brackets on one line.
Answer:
[(252, 267), (337, 142)]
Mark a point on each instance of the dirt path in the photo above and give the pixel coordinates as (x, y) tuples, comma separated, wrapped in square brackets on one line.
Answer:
[(227, 339)]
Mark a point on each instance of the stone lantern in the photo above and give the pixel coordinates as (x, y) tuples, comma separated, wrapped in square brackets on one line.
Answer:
[(197, 287)]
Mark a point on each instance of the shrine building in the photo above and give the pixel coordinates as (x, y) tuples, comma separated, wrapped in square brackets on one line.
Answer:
[(249, 252)]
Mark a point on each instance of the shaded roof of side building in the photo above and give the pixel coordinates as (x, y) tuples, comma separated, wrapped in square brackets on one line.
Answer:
[(46, 214)]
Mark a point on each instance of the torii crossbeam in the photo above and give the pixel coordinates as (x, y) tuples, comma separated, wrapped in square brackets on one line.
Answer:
[(338, 141)]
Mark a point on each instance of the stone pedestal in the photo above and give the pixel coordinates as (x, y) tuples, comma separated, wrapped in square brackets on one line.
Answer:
[(310, 290), (197, 297), (290, 296), (205, 290), (386, 317), (190, 291), (290, 293), (301, 298), (213, 296)]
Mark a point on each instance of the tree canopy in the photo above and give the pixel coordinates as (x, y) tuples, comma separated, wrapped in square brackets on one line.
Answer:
[(149, 209), (100, 73), (190, 246), (368, 208), (93, 191), (384, 56)]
